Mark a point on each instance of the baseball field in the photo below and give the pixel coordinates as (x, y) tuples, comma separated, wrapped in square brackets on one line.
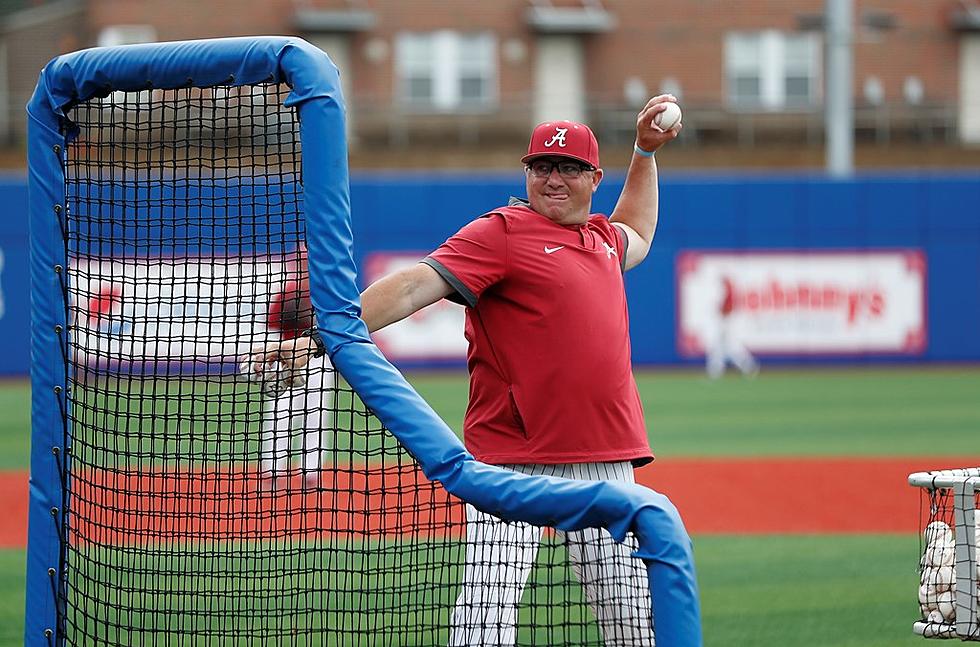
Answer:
[(792, 485)]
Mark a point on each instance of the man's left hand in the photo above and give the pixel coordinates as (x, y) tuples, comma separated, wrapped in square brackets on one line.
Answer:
[(649, 136)]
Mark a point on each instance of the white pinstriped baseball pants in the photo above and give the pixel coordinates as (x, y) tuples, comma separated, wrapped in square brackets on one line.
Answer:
[(500, 556), (307, 409)]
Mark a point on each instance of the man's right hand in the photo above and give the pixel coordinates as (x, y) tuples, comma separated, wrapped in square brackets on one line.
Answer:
[(290, 354)]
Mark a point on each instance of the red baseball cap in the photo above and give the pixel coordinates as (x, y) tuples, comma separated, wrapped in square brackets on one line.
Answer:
[(563, 139)]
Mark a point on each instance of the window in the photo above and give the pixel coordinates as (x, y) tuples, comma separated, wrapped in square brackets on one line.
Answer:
[(126, 35), (771, 70), (446, 71)]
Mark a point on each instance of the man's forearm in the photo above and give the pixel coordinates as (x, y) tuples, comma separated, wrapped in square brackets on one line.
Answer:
[(638, 204), (400, 295), (385, 302)]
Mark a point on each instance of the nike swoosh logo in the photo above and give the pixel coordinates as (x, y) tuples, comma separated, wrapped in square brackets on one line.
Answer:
[(552, 250)]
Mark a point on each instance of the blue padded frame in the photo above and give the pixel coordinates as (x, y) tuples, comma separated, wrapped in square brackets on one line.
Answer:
[(568, 505)]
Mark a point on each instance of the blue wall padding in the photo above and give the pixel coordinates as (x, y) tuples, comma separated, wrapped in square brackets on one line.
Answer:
[(934, 213), (314, 81), (46, 509)]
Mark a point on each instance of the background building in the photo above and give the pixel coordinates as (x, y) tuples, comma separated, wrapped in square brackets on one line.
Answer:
[(859, 295), (432, 83)]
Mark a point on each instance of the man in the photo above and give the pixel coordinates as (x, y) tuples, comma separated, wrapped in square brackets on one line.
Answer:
[(551, 384)]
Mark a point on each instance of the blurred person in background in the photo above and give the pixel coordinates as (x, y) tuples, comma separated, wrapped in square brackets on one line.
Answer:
[(723, 344), (304, 411)]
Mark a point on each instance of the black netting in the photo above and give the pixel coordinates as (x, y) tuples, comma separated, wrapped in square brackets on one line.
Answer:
[(200, 510), (946, 572)]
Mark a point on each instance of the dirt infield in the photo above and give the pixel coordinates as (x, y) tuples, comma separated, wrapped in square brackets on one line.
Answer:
[(745, 496), (784, 495)]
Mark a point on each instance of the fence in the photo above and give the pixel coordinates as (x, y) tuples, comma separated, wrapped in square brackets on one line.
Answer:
[(932, 216)]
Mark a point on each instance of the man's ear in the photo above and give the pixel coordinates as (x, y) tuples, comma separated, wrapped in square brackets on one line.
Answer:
[(596, 179)]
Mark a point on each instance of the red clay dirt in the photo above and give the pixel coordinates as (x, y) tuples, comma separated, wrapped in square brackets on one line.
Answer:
[(729, 495)]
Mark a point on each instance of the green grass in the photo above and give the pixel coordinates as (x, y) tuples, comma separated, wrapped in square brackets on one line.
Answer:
[(777, 591), (891, 411), (330, 592), (12, 568), (15, 424), (757, 590), (894, 411), (816, 591), (120, 423)]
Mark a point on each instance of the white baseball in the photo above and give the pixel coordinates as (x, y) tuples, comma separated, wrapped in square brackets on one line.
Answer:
[(938, 578), (927, 598), (669, 118), (936, 531), (946, 605), (940, 553), (297, 381), (935, 617)]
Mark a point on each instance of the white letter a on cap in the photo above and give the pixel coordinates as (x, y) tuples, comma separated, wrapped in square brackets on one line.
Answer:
[(557, 138)]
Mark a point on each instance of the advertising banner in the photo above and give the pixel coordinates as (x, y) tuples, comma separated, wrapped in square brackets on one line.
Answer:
[(805, 302), (150, 312)]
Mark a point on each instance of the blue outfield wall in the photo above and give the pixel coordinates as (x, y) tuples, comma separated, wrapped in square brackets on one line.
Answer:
[(938, 214), (15, 278)]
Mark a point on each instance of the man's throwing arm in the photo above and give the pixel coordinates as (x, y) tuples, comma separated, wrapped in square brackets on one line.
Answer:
[(637, 209), (401, 294)]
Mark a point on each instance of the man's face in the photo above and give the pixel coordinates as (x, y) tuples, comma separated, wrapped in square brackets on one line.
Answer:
[(561, 188)]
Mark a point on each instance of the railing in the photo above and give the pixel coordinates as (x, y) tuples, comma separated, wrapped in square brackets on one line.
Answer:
[(376, 123)]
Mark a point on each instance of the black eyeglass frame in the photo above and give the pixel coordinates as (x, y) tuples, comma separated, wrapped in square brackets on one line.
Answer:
[(553, 164)]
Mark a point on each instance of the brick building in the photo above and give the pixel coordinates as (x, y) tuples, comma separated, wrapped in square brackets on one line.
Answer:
[(431, 75)]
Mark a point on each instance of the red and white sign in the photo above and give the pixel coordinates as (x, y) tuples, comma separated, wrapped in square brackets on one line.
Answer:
[(803, 302), (173, 310), (432, 333)]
